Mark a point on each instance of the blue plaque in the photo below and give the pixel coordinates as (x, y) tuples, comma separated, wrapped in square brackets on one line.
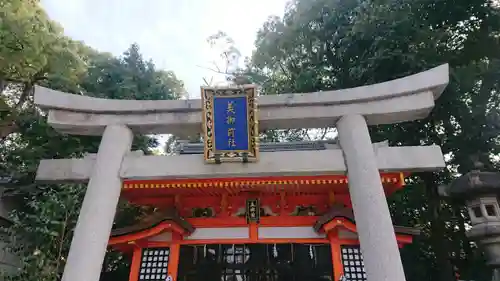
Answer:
[(231, 124), (231, 133)]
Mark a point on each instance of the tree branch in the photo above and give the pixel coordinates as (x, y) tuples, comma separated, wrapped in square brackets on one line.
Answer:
[(27, 91), (214, 70), (324, 134)]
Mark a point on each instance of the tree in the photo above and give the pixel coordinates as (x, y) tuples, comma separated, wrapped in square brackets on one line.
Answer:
[(32, 50), (326, 44), (130, 77), (42, 224), (52, 216)]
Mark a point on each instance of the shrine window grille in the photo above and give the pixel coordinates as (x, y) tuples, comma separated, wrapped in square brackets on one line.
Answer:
[(154, 264), (352, 261)]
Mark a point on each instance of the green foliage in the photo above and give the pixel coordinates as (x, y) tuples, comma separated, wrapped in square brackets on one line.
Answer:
[(33, 50), (130, 77), (327, 44), (32, 45), (44, 230)]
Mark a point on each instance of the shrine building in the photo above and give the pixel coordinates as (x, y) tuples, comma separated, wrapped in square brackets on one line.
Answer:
[(283, 228)]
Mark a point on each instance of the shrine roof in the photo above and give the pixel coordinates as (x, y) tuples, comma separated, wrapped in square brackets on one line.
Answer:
[(152, 220), (198, 148), (339, 211)]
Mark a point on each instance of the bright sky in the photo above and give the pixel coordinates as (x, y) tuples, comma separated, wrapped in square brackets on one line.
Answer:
[(171, 32)]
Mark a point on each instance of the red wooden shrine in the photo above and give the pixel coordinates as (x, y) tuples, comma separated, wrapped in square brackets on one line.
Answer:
[(206, 220)]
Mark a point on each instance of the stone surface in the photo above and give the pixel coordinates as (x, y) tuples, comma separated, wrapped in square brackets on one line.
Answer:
[(320, 162), (491, 246), (92, 231), (473, 184), (479, 190), (486, 229), (403, 99), (373, 220), (496, 275)]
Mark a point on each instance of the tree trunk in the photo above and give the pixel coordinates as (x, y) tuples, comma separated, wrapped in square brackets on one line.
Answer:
[(3, 84), (438, 240)]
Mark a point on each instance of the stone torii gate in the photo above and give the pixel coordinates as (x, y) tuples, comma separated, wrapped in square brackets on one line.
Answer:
[(350, 110)]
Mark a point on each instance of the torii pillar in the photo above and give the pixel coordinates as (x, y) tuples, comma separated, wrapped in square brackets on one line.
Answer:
[(97, 214), (373, 220)]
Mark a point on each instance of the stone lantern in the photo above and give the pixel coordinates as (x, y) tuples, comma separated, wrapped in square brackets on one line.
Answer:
[(480, 191)]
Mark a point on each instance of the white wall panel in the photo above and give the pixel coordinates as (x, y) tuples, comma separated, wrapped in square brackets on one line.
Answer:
[(219, 233), (288, 232)]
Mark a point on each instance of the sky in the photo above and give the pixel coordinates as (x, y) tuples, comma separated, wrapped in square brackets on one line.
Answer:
[(172, 33)]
